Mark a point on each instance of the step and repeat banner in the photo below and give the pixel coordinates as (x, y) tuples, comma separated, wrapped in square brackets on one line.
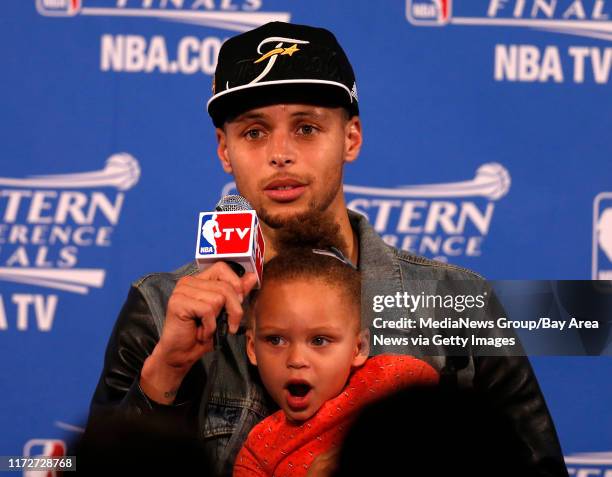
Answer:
[(487, 126)]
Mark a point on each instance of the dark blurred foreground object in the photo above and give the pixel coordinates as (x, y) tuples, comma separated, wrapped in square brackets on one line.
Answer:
[(139, 445), (435, 431)]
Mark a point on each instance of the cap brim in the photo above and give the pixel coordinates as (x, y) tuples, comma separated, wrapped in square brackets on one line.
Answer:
[(232, 102)]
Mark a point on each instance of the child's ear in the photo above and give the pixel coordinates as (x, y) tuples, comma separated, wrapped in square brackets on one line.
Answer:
[(362, 350), (250, 347)]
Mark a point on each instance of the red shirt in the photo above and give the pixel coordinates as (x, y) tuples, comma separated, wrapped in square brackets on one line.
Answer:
[(277, 447)]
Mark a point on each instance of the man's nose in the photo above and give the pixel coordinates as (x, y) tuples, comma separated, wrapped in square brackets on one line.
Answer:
[(297, 357), (281, 151)]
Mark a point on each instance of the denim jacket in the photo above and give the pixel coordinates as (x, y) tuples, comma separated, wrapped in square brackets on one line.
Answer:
[(238, 400)]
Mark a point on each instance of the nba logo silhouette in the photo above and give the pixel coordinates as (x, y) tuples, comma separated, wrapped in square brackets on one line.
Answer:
[(209, 233), (602, 237), (431, 13)]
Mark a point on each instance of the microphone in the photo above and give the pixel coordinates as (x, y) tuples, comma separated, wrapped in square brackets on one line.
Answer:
[(231, 234)]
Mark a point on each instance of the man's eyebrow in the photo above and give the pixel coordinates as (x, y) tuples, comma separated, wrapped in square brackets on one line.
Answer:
[(249, 116), (309, 113), (259, 116)]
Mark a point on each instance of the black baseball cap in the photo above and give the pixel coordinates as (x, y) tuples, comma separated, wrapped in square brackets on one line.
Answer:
[(281, 63)]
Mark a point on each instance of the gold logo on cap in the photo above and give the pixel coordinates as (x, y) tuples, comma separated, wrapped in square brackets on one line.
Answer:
[(279, 51)]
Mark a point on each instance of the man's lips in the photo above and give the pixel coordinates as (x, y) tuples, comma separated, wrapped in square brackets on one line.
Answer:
[(298, 393), (284, 190)]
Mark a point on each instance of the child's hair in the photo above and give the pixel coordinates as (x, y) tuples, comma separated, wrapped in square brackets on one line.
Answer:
[(327, 265)]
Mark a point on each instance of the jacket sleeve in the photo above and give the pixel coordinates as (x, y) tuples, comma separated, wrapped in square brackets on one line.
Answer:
[(133, 338), (507, 381), (512, 388)]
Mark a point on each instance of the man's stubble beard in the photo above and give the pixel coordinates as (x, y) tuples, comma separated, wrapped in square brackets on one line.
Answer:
[(317, 226)]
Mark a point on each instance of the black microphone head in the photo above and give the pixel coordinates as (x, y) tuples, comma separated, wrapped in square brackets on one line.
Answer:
[(232, 203)]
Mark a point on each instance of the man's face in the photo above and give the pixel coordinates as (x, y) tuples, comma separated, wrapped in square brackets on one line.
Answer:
[(287, 159), (305, 342)]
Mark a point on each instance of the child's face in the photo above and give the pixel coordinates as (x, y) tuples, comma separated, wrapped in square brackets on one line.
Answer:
[(305, 340)]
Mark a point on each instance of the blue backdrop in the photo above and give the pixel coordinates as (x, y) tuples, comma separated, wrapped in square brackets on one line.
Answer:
[(487, 143)]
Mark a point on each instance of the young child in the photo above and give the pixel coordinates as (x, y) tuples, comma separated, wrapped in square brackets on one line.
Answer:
[(305, 337)]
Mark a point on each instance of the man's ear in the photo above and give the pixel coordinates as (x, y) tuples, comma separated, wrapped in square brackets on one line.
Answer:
[(362, 349), (352, 139), (222, 150), (250, 347)]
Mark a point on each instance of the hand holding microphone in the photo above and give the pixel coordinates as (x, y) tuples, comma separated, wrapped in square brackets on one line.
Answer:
[(214, 295)]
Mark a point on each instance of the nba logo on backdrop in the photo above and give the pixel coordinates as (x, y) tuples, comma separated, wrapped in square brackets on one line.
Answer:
[(602, 237), (43, 448), (60, 8), (432, 12)]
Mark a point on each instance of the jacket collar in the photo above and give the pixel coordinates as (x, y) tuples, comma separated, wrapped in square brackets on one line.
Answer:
[(377, 260)]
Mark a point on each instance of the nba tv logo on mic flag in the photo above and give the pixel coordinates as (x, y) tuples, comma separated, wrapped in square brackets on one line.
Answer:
[(225, 232), (230, 236)]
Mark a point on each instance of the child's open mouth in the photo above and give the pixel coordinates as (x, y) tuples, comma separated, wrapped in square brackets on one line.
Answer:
[(298, 394)]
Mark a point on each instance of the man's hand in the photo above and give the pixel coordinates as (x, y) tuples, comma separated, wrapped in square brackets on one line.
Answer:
[(190, 326)]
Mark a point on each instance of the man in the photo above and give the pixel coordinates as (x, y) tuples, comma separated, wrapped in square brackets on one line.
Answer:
[(286, 114)]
